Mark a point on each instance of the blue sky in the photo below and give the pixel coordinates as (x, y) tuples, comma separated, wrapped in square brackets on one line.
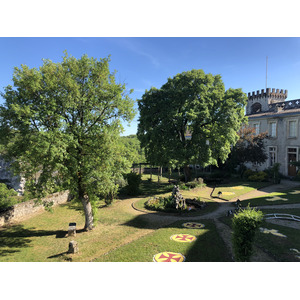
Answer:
[(145, 62)]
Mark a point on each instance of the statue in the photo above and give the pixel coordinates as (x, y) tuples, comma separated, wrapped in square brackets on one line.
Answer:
[(178, 199)]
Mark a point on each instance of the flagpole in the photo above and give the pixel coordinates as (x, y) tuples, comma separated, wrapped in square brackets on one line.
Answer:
[(266, 72)]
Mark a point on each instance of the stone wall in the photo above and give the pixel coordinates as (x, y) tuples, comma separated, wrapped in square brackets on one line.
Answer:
[(25, 210)]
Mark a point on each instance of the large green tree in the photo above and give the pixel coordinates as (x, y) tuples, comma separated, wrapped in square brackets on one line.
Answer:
[(61, 124), (191, 102)]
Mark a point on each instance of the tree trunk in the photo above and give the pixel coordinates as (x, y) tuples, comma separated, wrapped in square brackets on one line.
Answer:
[(87, 207), (87, 213), (187, 173), (158, 174), (151, 174)]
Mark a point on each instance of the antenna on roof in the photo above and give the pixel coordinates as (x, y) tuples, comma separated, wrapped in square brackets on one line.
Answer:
[(266, 72)]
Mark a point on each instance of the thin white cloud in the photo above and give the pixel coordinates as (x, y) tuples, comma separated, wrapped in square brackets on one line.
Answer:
[(132, 46)]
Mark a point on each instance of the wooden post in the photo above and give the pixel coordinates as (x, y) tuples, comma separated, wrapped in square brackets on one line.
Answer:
[(158, 174)]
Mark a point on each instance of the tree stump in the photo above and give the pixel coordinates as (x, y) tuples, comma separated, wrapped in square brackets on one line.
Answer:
[(73, 247)]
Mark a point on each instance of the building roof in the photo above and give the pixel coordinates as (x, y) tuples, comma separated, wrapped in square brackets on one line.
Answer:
[(279, 109)]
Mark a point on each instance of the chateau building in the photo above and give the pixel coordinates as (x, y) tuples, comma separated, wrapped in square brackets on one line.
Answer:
[(270, 111)]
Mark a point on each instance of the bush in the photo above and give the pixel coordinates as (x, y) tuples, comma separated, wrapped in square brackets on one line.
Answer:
[(193, 184), (160, 203), (134, 180), (7, 196), (258, 176), (184, 186), (248, 173), (245, 223)]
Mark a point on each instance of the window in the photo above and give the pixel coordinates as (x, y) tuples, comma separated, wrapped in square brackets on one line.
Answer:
[(256, 127), (272, 156), (273, 129), (292, 129), (255, 108)]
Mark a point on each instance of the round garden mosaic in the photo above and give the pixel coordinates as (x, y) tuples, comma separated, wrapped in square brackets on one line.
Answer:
[(168, 257), (193, 225), (183, 238)]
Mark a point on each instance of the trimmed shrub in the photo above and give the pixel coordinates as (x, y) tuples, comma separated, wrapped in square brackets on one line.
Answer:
[(248, 173), (134, 180), (245, 224), (259, 176)]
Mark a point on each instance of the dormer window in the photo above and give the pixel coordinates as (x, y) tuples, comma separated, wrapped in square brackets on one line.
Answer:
[(256, 108)]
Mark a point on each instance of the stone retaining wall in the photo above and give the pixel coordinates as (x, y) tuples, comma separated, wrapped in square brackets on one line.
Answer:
[(25, 210)]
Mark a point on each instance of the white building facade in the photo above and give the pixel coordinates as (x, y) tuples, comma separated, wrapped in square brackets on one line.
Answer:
[(269, 111)]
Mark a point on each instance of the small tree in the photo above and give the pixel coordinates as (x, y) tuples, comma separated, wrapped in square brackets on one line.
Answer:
[(245, 224), (249, 148)]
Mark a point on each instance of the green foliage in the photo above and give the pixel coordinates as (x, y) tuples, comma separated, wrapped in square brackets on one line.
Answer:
[(255, 176), (133, 151), (134, 180), (249, 148), (273, 173), (248, 173), (245, 223), (160, 203), (6, 196), (192, 102), (62, 122), (258, 176), (192, 184)]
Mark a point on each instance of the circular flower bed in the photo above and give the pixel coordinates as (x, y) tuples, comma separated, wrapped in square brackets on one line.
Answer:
[(167, 204)]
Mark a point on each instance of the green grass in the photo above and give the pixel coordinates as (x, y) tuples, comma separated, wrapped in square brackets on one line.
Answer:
[(275, 246), (290, 196), (208, 246), (237, 188), (291, 211), (43, 237), (279, 247)]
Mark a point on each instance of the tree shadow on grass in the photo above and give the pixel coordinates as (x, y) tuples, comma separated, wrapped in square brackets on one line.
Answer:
[(209, 247), (16, 237)]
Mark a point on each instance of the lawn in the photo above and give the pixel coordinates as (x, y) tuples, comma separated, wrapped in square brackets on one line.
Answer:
[(237, 188), (43, 237), (276, 240), (207, 247), (290, 196), (278, 246)]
